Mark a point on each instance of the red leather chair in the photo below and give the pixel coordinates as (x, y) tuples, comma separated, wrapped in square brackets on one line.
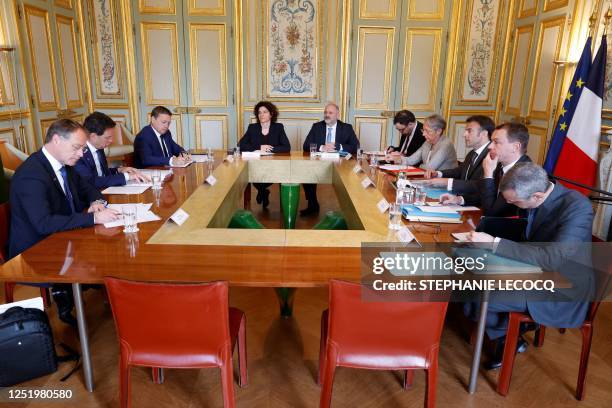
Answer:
[(164, 325), (512, 333), (9, 287), (602, 265), (369, 335)]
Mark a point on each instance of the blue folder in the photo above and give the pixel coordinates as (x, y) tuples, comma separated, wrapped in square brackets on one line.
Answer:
[(412, 210)]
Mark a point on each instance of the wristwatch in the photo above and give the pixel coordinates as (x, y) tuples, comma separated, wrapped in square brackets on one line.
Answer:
[(103, 202)]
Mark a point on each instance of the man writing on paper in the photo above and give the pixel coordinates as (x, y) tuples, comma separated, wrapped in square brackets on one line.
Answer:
[(329, 135), (438, 152), (411, 134), (48, 196), (507, 148), (154, 145), (462, 180), (93, 166), (555, 214)]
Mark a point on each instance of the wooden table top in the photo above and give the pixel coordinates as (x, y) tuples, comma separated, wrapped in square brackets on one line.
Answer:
[(88, 255)]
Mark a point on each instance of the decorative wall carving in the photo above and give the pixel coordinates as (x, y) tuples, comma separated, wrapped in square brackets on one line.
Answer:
[(480, 53), (107, 74), (293, 48)]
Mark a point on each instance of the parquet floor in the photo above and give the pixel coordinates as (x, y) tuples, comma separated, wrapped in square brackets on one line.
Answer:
[(283, 359)]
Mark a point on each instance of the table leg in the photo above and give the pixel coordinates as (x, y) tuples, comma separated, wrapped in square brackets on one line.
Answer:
[(285, 298), (84, 339), (484, 306)]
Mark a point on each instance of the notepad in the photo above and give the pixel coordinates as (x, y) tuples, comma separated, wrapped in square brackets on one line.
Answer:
[(127, 189), (182, 165), (199, 158), (414, 213)]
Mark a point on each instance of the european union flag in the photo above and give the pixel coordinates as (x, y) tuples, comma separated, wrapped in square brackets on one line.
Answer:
[(569, 107)]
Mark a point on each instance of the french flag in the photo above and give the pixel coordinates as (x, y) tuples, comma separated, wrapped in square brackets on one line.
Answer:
[(578, 134)]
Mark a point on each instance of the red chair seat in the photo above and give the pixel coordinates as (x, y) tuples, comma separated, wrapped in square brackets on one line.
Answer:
[(177, 326)]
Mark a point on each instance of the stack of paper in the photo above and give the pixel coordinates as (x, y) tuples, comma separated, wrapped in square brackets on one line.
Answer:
[(143, 214), (439, 206), (414, 213), (376, 153), (149, 172), (127, 189)]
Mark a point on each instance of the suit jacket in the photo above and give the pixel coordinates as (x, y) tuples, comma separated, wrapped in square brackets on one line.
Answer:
[(345, 136), (39, 206), (86, 167), (492, 202), (417, 141), (465, 176), (566, 219), (276, 137), (149, 153), (443, 156)]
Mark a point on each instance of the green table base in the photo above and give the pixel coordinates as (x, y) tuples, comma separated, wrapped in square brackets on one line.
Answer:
[(290, 200), (333, 220), (243, 219), (285, 299)]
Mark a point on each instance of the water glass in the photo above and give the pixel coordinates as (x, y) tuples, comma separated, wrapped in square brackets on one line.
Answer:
[(420, 196), (373, 161), (409, 196), (395, 217), (210, 155), (402, 180), (156, 179), (237, 152), (129, 219), (313, 150), (360, 154)]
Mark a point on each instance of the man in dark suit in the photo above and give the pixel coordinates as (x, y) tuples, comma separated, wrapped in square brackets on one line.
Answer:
[(411, 132), (48, 196), (555, 215), (93, 166), (329, 135), (153, 145), (508, 147), (477, 135)]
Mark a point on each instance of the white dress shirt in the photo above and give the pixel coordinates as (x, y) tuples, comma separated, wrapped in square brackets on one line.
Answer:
[(333, 135), (162, 145), (94, 153), (449, 186), (57, 166), (408, 139)]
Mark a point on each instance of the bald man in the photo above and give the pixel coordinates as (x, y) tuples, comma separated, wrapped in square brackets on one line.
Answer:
[(330, 135)]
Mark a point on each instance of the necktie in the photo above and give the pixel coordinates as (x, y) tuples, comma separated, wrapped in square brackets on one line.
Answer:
[(471, 157), (328, 138), (102, 161), (67, 188), (164, 148), (530, 218)]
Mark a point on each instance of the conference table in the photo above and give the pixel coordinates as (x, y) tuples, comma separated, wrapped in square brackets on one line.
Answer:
[(204, 249)]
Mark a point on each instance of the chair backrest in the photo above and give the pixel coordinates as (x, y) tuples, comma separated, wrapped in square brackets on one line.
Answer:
[(11, 156), (170, 319), (417, 323), (5, 222)]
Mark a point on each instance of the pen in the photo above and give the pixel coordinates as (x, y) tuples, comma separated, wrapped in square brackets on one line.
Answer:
[(471, 223)]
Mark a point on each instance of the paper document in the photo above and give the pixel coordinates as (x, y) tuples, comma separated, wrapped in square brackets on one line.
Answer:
[(459, 208), (126, 189), (143, 214), (460, 236), (199, 158), (149, 172), (428, 209), (181, 165)]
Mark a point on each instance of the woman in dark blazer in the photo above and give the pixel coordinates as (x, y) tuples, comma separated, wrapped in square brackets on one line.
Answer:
[(268, 136)]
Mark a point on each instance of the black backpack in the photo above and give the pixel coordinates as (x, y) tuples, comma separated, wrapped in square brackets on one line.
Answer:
[(27, 349)]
